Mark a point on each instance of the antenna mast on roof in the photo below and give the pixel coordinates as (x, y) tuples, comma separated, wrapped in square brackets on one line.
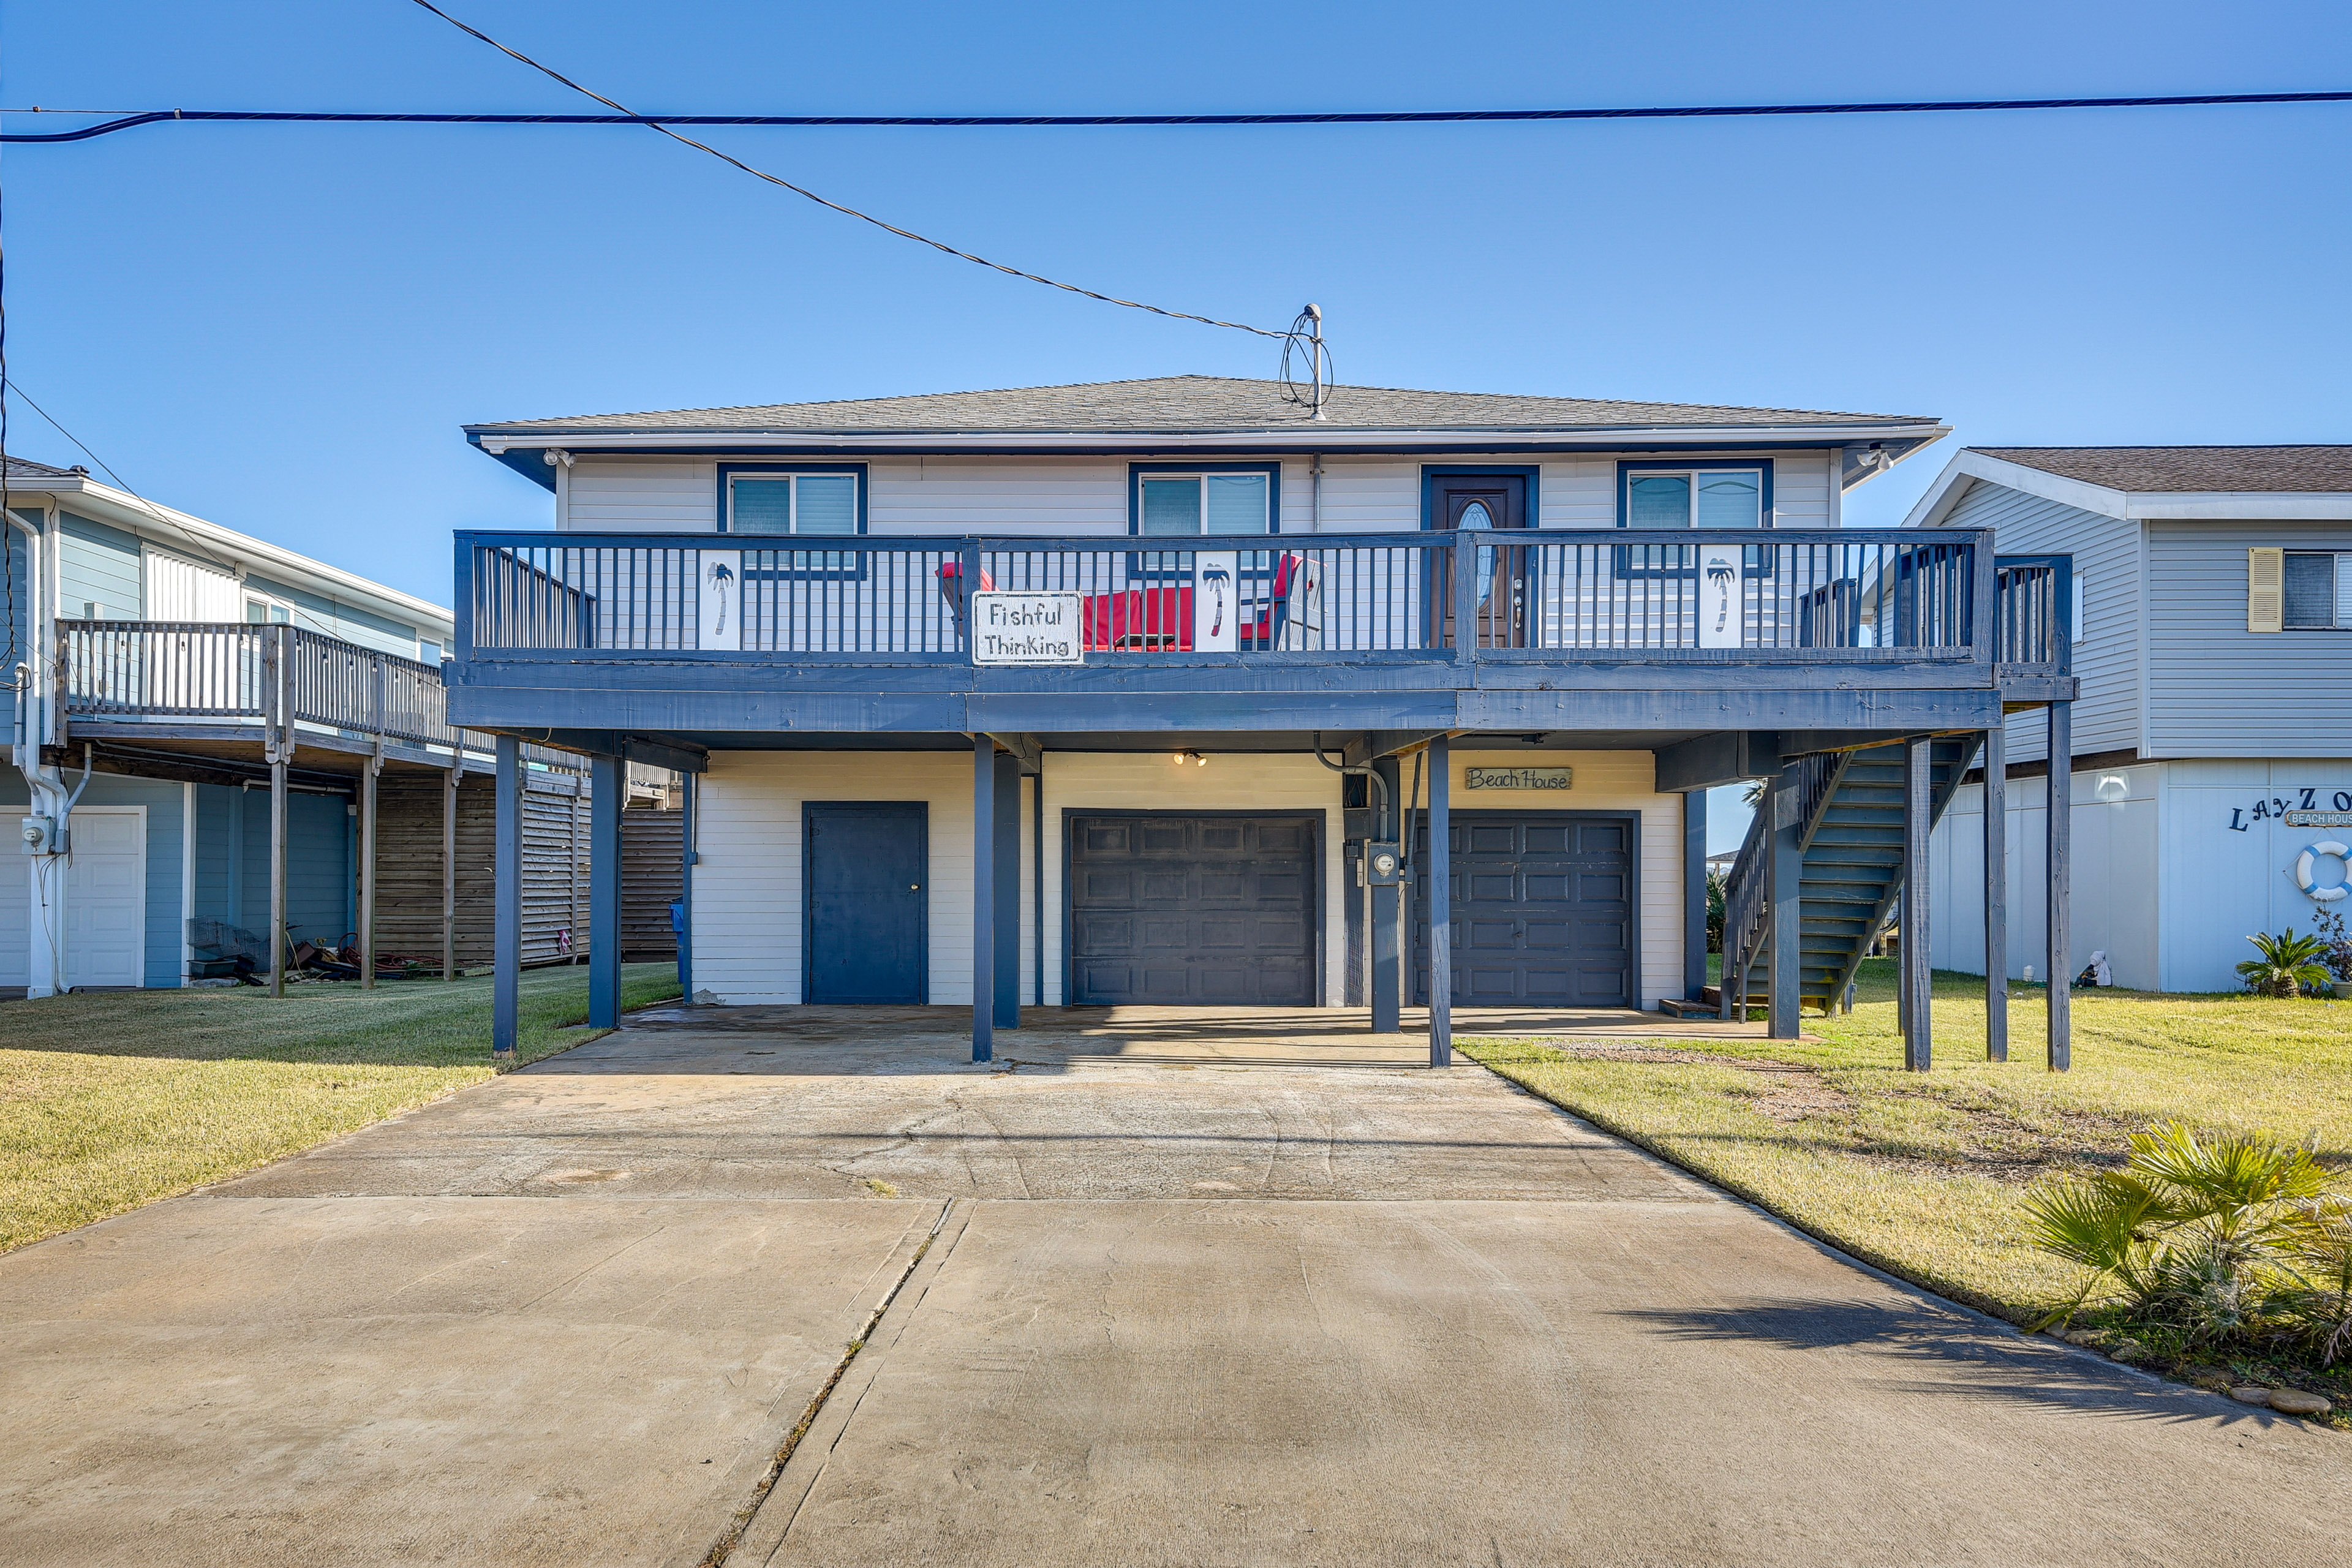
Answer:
[(1306, 336)]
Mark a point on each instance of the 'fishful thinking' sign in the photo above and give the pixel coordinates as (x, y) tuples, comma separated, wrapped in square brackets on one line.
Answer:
[(1027, 628)]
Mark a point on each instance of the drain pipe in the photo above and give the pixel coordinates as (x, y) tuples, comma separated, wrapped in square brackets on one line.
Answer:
[(1360, 770), (37, 722)]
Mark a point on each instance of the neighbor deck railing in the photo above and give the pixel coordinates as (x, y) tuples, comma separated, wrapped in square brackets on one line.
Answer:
[(1729, 595), (273, 675)]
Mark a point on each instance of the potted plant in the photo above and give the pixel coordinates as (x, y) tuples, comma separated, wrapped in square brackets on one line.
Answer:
[(2336, 953)]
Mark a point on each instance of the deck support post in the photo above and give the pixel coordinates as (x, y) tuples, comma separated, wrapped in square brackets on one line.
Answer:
[(1784, 868), (1694, 894), (369, 772), (1996, 893), (2057, 826), (983, 897), (278, 746), (1918, 1001), (606, 787), (1387, 950), (1008, 890), (506, 1005), (277, 804), (449, 867), (1441, 904)]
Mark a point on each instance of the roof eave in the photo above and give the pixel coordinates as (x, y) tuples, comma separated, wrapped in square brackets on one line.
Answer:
[(2133, 506), (499, 439)]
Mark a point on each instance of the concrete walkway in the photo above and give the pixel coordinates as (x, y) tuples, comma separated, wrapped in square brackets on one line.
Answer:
[(1229, 1296)]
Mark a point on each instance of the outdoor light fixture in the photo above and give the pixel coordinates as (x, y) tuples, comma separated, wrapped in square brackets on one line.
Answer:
[(1195, 758)]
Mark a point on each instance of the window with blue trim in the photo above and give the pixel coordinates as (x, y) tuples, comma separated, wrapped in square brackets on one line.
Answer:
[(767, 501), (1665, 496), (1693, 498), (1203, 503), (791, 503)]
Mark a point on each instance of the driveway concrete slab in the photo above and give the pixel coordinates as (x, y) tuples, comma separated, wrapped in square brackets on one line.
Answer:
[(778, 1129), (495, 1381), (1535, 1382), (1249, 1297)]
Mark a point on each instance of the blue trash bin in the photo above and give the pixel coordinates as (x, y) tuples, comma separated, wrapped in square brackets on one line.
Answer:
[(677, 927)]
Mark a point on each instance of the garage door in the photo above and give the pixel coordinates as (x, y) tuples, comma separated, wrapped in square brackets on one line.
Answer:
[(1543, 910), (1192, 910)]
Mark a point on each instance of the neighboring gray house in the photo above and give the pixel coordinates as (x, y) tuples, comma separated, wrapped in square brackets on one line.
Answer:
[(2213, 738)]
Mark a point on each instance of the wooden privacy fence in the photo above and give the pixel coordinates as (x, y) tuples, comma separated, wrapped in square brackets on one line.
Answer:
[(653, 873), (555, 846)]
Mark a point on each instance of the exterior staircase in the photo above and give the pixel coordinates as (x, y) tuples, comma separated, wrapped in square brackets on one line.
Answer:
[(1851, 806)]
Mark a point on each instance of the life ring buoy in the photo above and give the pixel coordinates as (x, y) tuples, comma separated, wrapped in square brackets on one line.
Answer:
[(2308, 863)]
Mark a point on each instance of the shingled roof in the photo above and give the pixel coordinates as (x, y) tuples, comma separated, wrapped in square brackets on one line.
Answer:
[(2192, 470), (1184, 405), (26, 468)]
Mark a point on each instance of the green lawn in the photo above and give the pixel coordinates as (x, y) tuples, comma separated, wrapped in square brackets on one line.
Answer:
[(111, 1098), (1921, 1173)]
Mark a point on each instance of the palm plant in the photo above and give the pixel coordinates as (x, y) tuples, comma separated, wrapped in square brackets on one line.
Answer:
[(2317, 1308), (2197, 1234), (2287, 963)]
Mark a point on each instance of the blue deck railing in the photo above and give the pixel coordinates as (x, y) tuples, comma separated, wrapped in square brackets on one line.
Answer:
[(1868, 596)]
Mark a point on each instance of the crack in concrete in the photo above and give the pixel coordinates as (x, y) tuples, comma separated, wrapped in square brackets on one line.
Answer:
[(724, 1545)]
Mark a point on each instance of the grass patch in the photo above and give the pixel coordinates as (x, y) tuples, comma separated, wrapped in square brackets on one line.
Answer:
[(110, 1099), (1922, 1173)]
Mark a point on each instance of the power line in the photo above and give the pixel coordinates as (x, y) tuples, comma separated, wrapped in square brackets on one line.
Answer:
[(133, 118), (837, 206), (201, 548)]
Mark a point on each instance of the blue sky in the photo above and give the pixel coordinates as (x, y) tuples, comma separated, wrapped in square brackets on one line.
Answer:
[(282, 328)]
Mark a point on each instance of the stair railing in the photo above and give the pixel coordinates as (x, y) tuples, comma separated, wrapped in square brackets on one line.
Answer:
[(1747, 900)]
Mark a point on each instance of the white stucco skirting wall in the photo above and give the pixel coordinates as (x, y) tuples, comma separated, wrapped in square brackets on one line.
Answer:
[(747, 894)]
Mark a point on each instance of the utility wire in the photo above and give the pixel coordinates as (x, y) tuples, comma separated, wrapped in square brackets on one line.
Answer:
[(131, 118), (157, 512), (837, 206)]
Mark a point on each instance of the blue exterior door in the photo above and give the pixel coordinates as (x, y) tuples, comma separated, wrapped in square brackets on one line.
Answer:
[(867, 869)]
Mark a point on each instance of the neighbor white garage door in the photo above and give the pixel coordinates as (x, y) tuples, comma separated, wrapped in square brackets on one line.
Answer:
[(106, 896), (16, 913)]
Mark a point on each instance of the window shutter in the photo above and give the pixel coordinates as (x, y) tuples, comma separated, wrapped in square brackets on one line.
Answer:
[(2265, 589)]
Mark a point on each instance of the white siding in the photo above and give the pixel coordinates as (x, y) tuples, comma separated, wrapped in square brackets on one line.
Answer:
[(2216, 689), (1016, 495), (2107, 552), (2223, 882), (179, 589), (1079, 781), (747, 885), (2114, 904), (640, 495), (1608, 781)]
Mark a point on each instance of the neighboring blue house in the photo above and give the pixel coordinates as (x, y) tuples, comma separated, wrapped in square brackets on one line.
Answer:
[(2211, 786), (149, 645), (1184, 691)]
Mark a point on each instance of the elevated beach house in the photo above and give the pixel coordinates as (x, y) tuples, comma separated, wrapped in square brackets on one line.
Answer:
[(220, 745), (1181, 692), (2210, 787)]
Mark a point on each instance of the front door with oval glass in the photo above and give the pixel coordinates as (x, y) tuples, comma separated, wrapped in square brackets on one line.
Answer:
[(1502, 575)]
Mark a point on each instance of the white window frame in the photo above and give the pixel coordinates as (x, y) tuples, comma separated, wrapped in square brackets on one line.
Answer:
[(2343, 591), (1759, 472), (792, 478), (275, 611), (1199, 478)]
